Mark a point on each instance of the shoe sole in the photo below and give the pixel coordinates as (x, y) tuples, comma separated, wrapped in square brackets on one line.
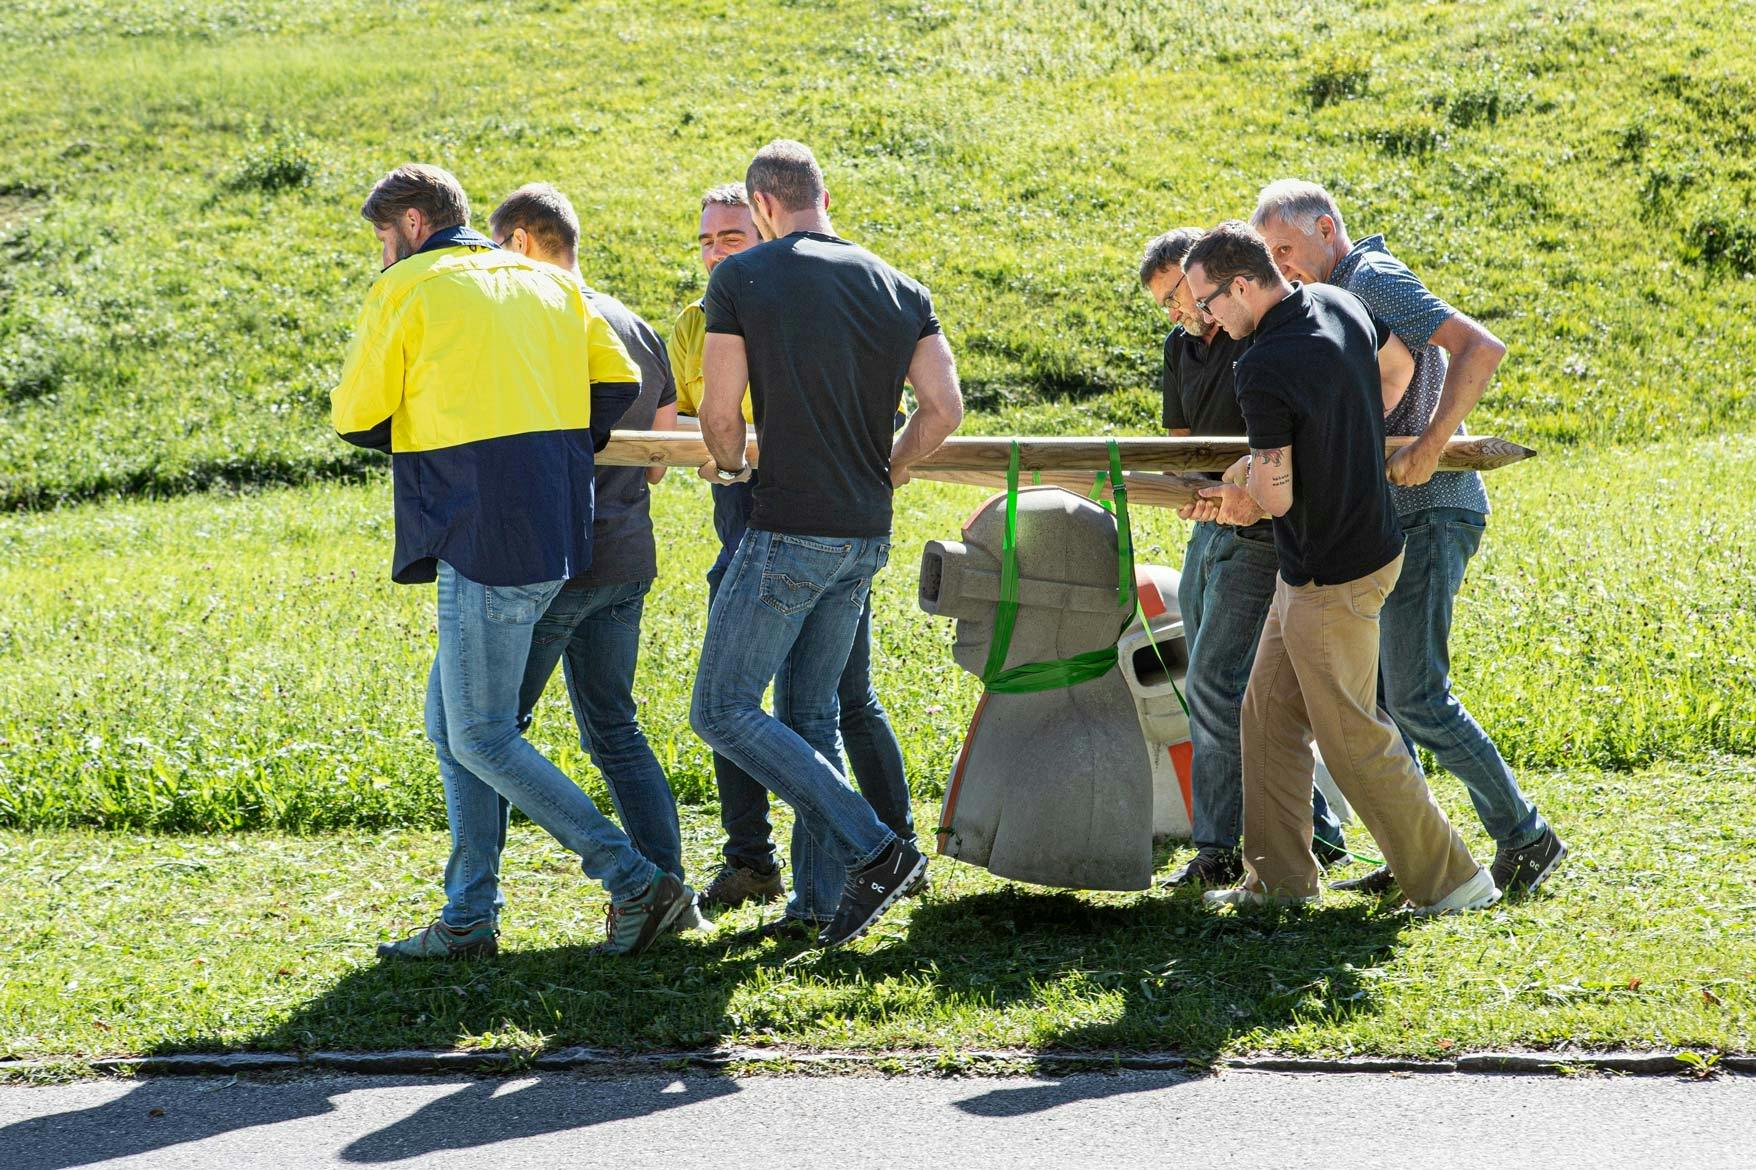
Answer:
[(479, 951), (890, 899), (1434, 912)]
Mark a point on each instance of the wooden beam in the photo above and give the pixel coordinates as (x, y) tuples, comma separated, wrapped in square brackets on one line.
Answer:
[(1052, 454)]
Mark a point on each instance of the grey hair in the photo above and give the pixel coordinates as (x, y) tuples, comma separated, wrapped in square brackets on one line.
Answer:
[(1296, 203), (725, 195), (1166, 252)]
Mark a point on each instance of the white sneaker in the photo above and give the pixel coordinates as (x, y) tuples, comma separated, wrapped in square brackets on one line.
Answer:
[(1478, 893), (1245, 896)]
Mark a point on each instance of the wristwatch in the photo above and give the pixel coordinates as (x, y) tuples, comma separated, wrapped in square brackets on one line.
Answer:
[(730, 476)]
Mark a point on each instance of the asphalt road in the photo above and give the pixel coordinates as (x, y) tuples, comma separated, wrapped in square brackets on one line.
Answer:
[(1248, 1119)]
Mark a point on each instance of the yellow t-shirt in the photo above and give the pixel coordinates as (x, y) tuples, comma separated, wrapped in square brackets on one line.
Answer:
[(688, 339)]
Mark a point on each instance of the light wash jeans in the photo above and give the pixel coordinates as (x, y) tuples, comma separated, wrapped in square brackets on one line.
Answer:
[(1224, 592), (791, 606), (593, 631), (873, 753), (1415, 671), (474, 721)]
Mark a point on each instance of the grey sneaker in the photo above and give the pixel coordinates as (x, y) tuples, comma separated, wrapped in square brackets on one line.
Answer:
[(1478, 893), (1525, 869), (631, 927), (440, 941), (1377, 883), (1211, 867), (736, 884)]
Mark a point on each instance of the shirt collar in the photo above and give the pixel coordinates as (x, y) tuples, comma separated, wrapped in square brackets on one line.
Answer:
[(1290, 306), (456, 237), (1351, 261)]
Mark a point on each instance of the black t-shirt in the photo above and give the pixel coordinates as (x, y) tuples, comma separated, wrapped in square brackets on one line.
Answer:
[(1310, 381), (1198, 391), (829, 330), (621, 526)]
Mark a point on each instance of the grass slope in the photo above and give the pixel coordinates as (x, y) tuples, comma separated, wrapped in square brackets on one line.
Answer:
[(182, 258), (222, 664)]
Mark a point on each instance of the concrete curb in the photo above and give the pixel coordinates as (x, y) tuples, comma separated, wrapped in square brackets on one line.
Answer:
[(910, 1061)]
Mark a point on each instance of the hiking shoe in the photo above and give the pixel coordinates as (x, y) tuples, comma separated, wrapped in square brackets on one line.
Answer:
[(1329, 852), (1211, 866), (736, 884), (921, 885), (1377, 883), (632, 926), (440, 941), (869, 893), (1517, 870), (1478, 893), (1243, 896)]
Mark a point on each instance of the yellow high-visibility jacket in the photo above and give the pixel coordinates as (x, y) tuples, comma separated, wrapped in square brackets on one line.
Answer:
[(491, 381)]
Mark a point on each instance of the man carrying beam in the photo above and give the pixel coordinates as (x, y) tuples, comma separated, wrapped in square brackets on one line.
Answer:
[(490, 380), (824, 334), (1442, 516), (1226, 584), (592, 628), (750, 871), (1313, 400)]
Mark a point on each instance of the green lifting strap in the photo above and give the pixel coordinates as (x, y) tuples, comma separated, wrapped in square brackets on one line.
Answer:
[(1062, 672)]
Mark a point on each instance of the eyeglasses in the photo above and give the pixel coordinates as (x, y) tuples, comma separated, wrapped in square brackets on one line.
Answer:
[(1205, 303), (1164, 302)]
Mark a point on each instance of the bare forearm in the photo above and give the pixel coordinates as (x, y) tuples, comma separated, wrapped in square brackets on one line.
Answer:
[(1270, 482), (1466, 380), (925, 430)]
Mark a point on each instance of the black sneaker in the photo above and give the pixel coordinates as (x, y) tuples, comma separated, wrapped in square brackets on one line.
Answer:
[(1211, 867), (1377, 883), (786, 929), (1329, 852), (870, 892), (1522, 870)]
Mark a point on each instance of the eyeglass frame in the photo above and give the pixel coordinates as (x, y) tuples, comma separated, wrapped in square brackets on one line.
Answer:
[(1202, 303)]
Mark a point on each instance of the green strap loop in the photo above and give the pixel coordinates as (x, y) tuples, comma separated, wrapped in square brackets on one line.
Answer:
[(1061, 673)]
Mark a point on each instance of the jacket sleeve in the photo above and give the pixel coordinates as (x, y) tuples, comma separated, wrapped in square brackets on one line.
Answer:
[(615, 379), (370, 391)]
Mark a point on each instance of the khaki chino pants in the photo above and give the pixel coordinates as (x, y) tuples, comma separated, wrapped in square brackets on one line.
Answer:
[(1316, 674)]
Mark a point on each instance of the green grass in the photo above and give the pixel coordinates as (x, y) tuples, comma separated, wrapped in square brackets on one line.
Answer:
[(1646, 937), (182, 256), (221, 664)]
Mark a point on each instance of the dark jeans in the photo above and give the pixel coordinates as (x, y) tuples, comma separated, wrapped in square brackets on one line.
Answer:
[(1415, 671), (788, 609), (1224, 592), (873, 752), (593, 631)]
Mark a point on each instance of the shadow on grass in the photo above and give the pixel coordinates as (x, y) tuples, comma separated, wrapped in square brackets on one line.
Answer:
[(1159, 974)]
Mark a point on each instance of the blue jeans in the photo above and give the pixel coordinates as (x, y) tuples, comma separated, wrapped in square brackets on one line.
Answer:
[(473, 719), (791, 605), (872, 748), (1415, 671), (594, 632), (1224, 592)]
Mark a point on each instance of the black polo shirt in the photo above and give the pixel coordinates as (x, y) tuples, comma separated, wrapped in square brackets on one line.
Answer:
[(1310, 381), (1198, 392)]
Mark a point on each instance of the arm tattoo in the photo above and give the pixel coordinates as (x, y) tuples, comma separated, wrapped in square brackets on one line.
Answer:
[(1270, 457), (1280, 480)]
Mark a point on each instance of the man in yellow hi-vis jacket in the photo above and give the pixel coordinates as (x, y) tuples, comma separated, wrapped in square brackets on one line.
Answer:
[(491, 382)]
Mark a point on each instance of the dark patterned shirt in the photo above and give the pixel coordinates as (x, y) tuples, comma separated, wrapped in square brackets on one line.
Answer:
[(1398, 297)]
